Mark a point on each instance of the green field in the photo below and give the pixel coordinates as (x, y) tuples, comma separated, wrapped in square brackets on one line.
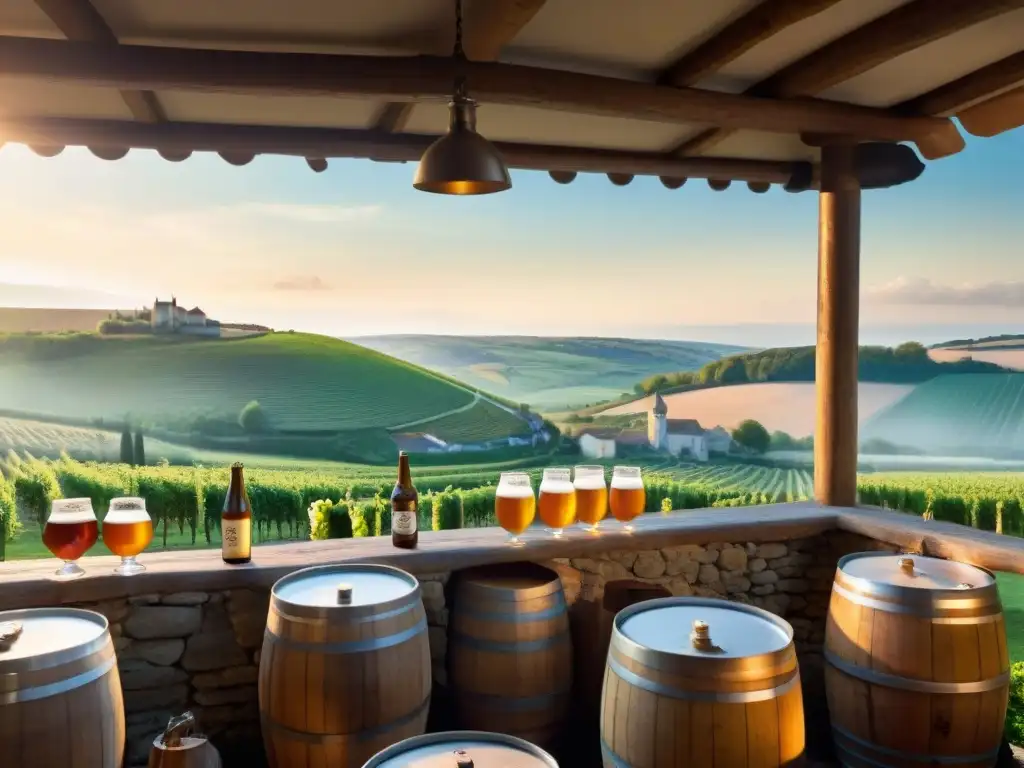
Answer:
[(549, 373), (302, 381), (955, 415)]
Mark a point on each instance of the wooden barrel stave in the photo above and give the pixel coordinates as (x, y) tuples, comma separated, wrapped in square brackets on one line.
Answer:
[(683, 711), (510, 653), (64, 713), (336, 689), (913, 682)]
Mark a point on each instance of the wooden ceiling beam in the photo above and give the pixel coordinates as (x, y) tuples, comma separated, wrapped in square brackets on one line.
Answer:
[(429, 78), (760, 23), (982, 84), (905, 29), (996, 115), (490, 25), (78, 20), (880, 165)]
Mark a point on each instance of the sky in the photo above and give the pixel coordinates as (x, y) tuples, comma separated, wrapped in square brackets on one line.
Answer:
[(356, 251)]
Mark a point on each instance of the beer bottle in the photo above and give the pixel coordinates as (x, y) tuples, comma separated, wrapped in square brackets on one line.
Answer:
[(236, 521), (404, 506)]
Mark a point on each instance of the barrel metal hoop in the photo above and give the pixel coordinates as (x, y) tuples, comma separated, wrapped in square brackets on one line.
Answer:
[(333, 616), (353, 646), (518, 646), (61, 686), (66, 656), (518, 617), (350, 612), (366, 734), (908, 684), (738, 697), (610, 757), (506, 595), (509, 703), (926, 760), (933, 611)]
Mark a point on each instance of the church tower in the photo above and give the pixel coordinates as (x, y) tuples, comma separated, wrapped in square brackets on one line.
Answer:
[(657, 423)]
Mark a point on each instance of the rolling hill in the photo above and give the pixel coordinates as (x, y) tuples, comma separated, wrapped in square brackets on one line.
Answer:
[(788, 407), (549, 373), (304, 382), (956, 415)]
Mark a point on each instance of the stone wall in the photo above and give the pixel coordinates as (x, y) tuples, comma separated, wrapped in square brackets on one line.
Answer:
[(200, 651)]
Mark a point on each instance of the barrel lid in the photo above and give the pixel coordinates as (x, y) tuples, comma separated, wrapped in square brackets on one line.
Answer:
[(914, 571), (680, 626), (345, 585), (463, 749), (509, 581), (67, 633)]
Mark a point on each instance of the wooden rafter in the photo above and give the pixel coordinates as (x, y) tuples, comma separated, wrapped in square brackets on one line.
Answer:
[(980, 85), (763, 21), (490, 26), (879, 165), (905, 29), (78, 20), (997, 115), (427, 78)]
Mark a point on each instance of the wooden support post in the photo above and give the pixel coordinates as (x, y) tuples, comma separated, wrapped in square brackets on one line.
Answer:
[(835, 437)]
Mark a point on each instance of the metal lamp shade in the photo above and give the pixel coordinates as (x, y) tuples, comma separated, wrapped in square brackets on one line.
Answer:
[(462, 162)]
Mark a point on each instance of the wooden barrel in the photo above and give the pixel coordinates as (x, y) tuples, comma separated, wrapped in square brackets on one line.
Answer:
[(509, 652), (60, 693), (345, 666), (459, 749), (724, 695), (916, 670)]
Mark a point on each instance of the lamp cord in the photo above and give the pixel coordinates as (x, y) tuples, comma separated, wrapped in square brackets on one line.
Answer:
[(458, 53)]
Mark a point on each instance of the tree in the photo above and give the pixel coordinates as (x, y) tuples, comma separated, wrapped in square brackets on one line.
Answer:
[(127, 449), (750, 434), (253, 419), (140, 449)]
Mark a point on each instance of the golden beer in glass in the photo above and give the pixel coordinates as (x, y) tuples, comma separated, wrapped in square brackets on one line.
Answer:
[(557, 500), (627, 496), (591, 496), (69, 533), (127, 531), (514, 505)]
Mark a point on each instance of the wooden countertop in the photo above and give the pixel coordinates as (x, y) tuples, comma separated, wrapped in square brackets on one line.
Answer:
[(29, 583)]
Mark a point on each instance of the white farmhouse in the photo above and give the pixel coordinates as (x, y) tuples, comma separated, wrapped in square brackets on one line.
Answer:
[(719, 440), (598, 443)]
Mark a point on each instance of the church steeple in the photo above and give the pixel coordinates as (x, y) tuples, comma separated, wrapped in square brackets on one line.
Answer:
[(660, 406)]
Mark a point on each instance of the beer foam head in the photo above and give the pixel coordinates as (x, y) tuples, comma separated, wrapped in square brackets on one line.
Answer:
[(71, 511), (556, 480), (627, 479), (590, 481), (127, 509), (514, 485)]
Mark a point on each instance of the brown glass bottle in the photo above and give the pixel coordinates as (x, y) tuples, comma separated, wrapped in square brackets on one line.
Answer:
[(236, 521), (404, 506)]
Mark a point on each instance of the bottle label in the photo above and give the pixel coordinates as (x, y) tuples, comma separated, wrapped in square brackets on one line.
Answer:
[(403, 523), (236, 538)]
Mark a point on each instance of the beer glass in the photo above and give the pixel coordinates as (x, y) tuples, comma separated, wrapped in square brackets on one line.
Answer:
[(627, 496), (557, 500), (591, 496), (514, 505), (69, 533), (127, 530)]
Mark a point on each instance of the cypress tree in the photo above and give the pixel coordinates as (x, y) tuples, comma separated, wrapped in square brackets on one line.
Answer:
[(140, 449), (127, 449)]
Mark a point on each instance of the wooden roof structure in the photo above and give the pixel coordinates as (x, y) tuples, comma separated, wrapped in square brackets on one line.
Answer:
[(725, 90)]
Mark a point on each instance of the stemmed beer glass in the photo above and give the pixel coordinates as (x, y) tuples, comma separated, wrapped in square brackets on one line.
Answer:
[(514, 505), (69, 533), (557, 500), (591, 496), (127, 531), (627, 497)]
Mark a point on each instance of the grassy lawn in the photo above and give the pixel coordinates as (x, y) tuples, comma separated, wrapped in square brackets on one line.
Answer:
[(1011, 590)]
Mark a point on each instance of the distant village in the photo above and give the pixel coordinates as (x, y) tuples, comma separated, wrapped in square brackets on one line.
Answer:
[(677, 437), (171, 317)]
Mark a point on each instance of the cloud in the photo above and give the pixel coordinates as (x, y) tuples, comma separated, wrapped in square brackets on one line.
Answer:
[(301, 283), (313, 214), (921, 291)]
